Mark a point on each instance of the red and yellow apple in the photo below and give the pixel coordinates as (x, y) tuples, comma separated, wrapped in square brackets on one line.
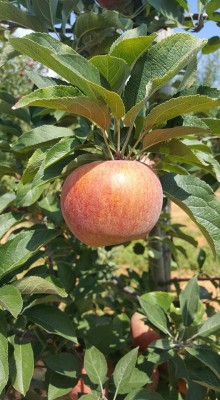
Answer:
[(80, 388), (111, 202), (108, 3), (142, 333)]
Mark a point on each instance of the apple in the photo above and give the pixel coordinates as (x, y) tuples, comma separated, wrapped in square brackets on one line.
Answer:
[(111, 202), (155, 379), (142, 333)]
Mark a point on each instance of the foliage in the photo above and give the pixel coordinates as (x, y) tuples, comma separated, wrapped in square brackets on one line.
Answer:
[(64, 305)]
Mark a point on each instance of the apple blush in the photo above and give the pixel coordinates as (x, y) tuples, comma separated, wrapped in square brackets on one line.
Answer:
[(111, 202)]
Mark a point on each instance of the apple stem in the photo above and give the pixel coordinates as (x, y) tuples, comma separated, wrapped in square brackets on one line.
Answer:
[(127, 140), (118, 130), (104, 134)]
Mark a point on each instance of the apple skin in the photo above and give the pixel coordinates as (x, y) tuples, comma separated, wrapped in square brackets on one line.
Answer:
[(142, 334), (80, 388), (155, 380), (181, 387), (111, 202)]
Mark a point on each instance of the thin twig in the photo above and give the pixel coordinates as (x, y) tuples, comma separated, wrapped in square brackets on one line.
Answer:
[(144, 133), (104, 134)]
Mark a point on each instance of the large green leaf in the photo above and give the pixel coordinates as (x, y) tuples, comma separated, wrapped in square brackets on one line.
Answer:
[(60, 150), (162, 135), (95, 365), (124, 368), (158, 317), (46, 11), (70, 65), (11, 13), (35, 285), (162, 299), (131, 48), (22, 367), (52, 320), (17, 251), (143, 394), (27, 195), (197, 199), (33, 166), (169, 8), (178, 106), (8, 220), (211, 8), (4, 370), (11, 300), (155, 68), (6, 108), (189, 301), (205, 377), (40, 137), (114, 69), (58, 385), (213, 124), (137, 380), (212, 45), (71, 100)]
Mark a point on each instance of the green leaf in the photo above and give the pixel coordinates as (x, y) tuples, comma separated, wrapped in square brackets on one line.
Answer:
[(210, 326), (8, 52), (70, 65), (143, 394), (158, 317), (161, 299), (211, 8), (71, 100), (178, 106), (95, 365), (197, 199), (58, 385), (11, 300), (137, 380), (115, 70), (35, 284), (46, 11), (33, 166), (22, 367), (27, 195), (155, 69), (207, 357), (17, 251), (162, 135), (39, 137), (61, 150), (6, 108), (4, 370), (189, 301), (52, 320), (212, 45), (65, 364), (124, 368), (51, 208), (8, 220), (131, 48), (6, 199), (11, 13)]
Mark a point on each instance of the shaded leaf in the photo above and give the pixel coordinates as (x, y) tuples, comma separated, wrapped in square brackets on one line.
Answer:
[(17, 251), (161, 299), (52, 320), (11, 300), (65, 364), (11, 13), (197, 199), (7, 54), (143, 394), (137, 380), (207, 356), (210, 326), (206, 378), (58, 385), (46, 11)]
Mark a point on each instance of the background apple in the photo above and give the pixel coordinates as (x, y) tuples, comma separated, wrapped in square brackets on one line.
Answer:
[(111, 202), (142, 333)]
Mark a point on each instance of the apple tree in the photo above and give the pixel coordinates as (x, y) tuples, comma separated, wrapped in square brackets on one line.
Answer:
[(123, 88)]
